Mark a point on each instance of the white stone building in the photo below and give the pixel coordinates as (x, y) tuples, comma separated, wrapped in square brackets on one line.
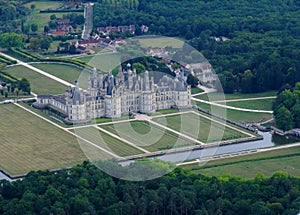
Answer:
[(109, 96)]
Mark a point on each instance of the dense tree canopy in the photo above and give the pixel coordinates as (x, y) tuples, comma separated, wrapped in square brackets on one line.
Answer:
[(287, 108), (236, 36), (86, 190)]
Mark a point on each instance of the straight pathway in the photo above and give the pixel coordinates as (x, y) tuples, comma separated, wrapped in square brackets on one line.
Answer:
[(39, 71)]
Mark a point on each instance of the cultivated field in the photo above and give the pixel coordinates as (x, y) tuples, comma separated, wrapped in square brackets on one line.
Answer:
[(30, 143), (149, 137), (39, 84), (286, 160), (200, 128)]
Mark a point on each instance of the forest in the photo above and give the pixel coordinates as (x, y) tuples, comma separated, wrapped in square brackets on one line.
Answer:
[(86, 190), (287, 107), (260, 40)]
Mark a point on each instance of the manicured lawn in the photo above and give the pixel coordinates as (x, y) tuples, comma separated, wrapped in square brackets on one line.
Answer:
[(105, 61), (106, 141), (30, 143), (39, 84), (196, 90), (161, 42), (65, 72), (164, 111), (218, 96), (239, 116), (261, 104), (199, 127), (85, 58), (249, 165), (150, 137)]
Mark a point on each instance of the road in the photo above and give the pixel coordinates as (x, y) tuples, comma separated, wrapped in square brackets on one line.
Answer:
[(88, 25)]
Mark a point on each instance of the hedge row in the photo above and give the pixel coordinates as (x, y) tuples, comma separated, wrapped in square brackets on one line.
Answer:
[(25, 55), (64, 60), (8, 78), (6, 60)]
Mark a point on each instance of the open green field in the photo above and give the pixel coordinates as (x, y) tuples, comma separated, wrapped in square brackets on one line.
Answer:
[(260, 104), (219, 96), (239, 116), (105, 61), (65, 72), (199, 127), (29, 143), (85, 59), (149, 137), (39, 84), (196, 90), (248, 166), (161, 42), (106, 141)]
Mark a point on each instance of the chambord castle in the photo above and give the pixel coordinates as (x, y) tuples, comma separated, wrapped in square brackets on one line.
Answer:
[(109, 96)]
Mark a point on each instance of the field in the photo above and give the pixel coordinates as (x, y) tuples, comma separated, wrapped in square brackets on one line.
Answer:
[(105, 61), (39, 84), (149, 137), (37, 145), (239, 116), (249, 165), (218, 96), (261, 104), (199, 127), (161, 42), (65, 72), (106, 141), (196, 90), (86, 58)]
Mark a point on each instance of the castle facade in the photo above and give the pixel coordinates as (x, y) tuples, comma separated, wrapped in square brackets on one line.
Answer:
[(112, 97)]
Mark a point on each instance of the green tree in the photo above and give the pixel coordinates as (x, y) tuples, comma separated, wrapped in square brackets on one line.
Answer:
[(247, 82), (45, 43), (34, 43), (24, 85), (11, 40), (283, 118), (192, 80), (34, 27), (140, 68)]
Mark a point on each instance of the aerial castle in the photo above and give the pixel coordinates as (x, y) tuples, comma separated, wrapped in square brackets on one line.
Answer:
[(109, 96)]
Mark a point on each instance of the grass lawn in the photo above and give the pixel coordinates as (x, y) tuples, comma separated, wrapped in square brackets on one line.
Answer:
[(106, 141), (149, 137), (239, 116), (39, 84), (13, 96), (261, 104), (199, 127), (196, 90), (38, 145), (86, 58), (249, 165), (105, 61), (161, 42), (65, 72), (219, 96)]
